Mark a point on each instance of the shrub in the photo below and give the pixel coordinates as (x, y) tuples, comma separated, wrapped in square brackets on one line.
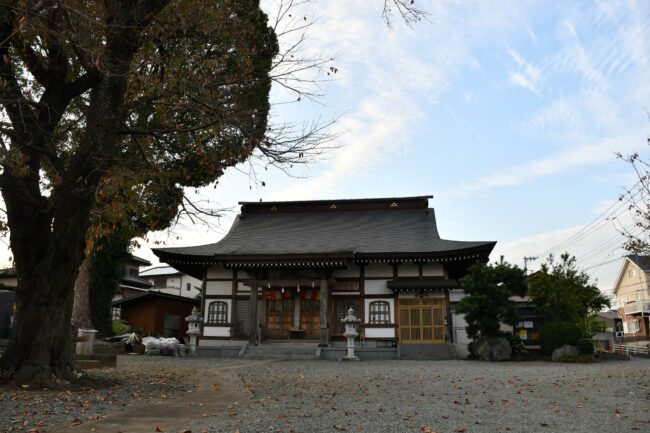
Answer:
[(556, 334), (119, 327), (585, 346), (517, 345)]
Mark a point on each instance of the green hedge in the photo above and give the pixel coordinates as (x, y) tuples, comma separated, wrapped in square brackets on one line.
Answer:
[(556, 334), (585, 346)]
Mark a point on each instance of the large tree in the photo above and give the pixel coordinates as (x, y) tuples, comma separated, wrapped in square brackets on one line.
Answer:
[(562, 292), (152, 95), (488, 288), (88, 86)]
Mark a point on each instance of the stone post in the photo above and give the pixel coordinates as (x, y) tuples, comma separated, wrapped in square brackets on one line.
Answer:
[(86, 341), (194, 328)]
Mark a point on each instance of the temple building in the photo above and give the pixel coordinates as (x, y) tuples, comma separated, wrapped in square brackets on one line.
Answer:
[(291, 270)]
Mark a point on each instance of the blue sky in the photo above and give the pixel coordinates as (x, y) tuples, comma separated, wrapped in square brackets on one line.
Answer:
[(508, 112)]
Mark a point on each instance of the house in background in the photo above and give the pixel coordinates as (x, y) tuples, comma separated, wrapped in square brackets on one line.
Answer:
[(165, 279), (293, 269), (632, 294), (155, 313), (8, 283), (131, 283)]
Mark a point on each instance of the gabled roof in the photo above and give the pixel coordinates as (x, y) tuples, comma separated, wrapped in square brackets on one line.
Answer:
[(159, 271), (138, 260), (330, 229), (641, 262), (154, 294)]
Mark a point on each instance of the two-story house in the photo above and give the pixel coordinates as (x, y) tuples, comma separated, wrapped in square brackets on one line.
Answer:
[(633, 297), (166, 279)]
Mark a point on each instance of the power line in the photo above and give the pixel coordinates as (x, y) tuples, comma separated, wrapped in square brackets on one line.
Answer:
[(596, 224)]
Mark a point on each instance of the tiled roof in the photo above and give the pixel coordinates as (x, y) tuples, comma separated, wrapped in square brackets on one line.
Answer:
[(348, 233), (642, 262)]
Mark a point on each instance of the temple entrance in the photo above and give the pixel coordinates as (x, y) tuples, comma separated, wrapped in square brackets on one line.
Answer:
[(279, 317), (291, 313), (310, 317)]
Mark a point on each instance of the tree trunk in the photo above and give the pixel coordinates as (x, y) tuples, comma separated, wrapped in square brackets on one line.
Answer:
[(48, 255), (81, 306)]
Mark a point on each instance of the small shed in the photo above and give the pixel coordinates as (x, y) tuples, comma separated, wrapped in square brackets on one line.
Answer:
[(155, 313)]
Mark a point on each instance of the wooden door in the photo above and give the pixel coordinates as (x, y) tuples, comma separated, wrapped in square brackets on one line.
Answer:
[(310, 317), (421, 320), (279, 317)]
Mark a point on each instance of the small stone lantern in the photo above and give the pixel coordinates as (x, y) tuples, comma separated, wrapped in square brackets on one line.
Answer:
[(194, 328), (350, 321)]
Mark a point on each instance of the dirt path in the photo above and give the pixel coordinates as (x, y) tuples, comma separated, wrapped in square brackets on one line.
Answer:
[(218, 389)]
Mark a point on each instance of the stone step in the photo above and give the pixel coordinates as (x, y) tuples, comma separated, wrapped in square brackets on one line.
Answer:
[(278, 356)]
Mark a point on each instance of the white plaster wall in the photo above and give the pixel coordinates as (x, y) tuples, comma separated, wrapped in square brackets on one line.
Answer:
[(216, 331), (242, 275), (456, 295), (379, 332), (379, 270), (219, 272), (173, 282), (207, 303), (218, 287), (377, 287), (459, 324), (242, 288), (408, 270), (390, 301), (353, 272), (432, 270)]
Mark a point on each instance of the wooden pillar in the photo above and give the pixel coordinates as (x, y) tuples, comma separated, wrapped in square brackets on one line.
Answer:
[(324, 313), (252, 313), (450, 325)]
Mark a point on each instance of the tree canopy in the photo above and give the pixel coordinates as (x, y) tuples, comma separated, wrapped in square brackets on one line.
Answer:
[(486, 304), (563, 292)]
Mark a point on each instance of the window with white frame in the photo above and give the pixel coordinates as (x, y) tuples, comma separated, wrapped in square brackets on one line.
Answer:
[(218, 312), (379, 313), (631, 327)]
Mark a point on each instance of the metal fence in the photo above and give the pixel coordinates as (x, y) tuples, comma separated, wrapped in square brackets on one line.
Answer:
[(631, 349)]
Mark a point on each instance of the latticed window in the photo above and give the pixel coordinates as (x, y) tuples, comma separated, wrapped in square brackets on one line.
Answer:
[(218, 312), (379, 313)]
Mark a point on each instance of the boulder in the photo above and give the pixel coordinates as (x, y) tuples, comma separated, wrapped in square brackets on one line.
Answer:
[(493, 349), (566, 350)]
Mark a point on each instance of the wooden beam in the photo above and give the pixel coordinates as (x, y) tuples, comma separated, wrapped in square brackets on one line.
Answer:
[(252, 314), (450, 325), (324, 313)]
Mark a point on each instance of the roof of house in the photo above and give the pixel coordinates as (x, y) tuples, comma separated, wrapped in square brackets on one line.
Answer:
[(159, 271), (642, 262), (138, 260), (154, 294), (350, 229), (135, 281)]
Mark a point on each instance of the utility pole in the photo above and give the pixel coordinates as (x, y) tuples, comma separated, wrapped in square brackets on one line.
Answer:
[(526, 260)]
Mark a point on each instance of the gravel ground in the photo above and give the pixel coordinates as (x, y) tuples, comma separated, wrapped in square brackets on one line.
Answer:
[(140, 380), (444, 396), (382, 396)]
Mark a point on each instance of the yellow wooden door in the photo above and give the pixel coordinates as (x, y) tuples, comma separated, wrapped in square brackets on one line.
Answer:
[(422, 320)]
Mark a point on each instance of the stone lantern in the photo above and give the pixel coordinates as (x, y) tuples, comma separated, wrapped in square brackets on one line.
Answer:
[(350, 321), (194, 328)]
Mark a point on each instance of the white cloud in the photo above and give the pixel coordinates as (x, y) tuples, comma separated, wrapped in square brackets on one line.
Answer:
[(559, 163), (528, 76)]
